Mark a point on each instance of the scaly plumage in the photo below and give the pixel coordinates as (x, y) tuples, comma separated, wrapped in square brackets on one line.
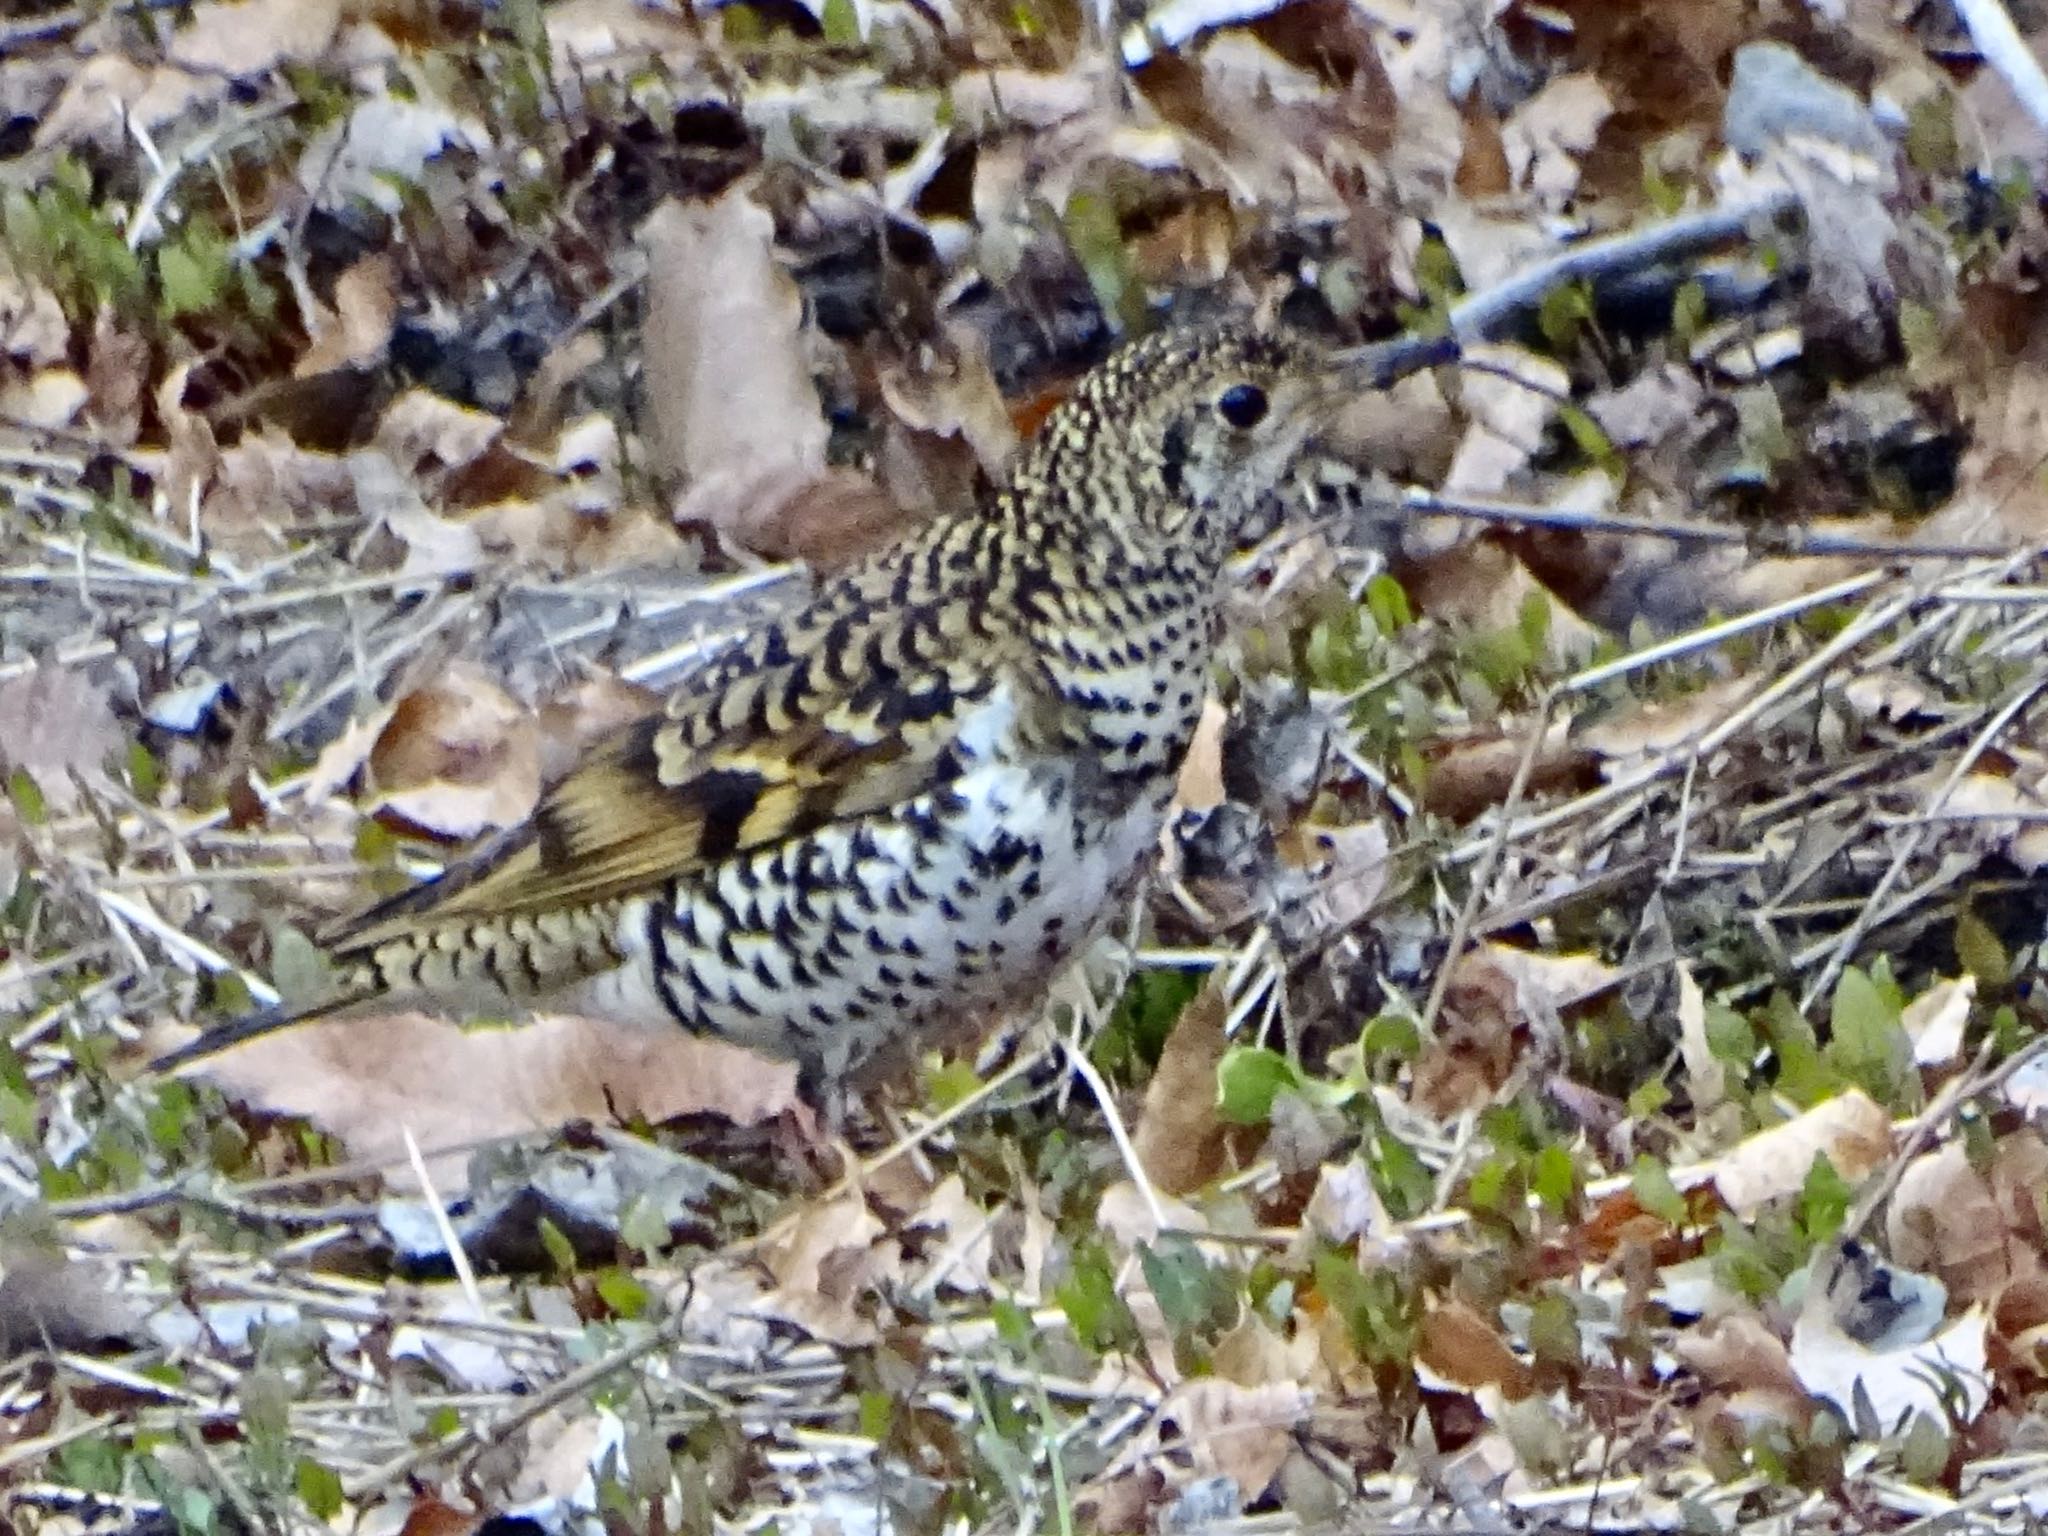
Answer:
[(919, 794)]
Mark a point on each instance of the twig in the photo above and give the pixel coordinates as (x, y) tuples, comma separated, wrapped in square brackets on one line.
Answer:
[(1481, 316), (1999, 41), (1085, 1070), (1520, 514), (458, 1256), (576, 1382)]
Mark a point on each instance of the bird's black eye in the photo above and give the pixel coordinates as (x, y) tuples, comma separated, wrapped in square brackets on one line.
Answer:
[(1242, 405)]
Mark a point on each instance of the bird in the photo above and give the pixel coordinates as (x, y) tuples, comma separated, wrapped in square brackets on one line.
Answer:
[(916, 797)]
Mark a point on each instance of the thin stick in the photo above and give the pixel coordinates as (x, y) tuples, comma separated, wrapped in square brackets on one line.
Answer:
[(1999, 41)]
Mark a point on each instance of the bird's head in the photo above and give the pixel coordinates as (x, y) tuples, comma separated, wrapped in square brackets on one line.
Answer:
[(1190, 434)]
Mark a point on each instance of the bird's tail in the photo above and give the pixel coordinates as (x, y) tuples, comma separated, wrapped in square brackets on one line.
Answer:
[(355, 986)]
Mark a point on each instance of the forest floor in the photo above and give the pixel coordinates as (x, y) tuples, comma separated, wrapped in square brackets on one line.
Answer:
[(1576, 1068)]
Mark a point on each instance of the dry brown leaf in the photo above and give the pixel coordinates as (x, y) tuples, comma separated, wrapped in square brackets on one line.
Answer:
[(430, 1517), (381, 146), (1502, 1004), (833, 1253), (953, 393), (1469, 1352), (49, 1299), (586, 36), (1649, 408), (1346, 1204), (1485, 585), (729, 391), (828, 518), (1511, 406), (1630, 738), (1242, 1433), (1200, 787), (108, 94), (367, 1080), (246, 37), (1180, 1132), (1253, 1354), (459, 756), (966, 1247), (49, 399), (116, 380), (1472, 774), (1993, 798), (57, 726), (578, 717), (1934, 1020), (421, 432), (1705, 1075), (33, 330), (1738, 1353), (1547, 134), (358, 328), (1944, 1219), (1853, 1131)]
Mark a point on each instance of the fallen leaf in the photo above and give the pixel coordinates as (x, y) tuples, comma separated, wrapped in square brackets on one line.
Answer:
[(57, 726), (1467, 1351), (240, 38), (1705, 1074), (1242, 1433), (1180, 1132), (729, 391), (1852, 1130), (358, 328), (1934, 1020), (1943, 1218), (458, 756), (367, 1080), (1545, 136)]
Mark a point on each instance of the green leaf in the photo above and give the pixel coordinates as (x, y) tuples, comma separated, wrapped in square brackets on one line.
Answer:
[(1097, 238), (191, 275), (300, 972), (1648, 1098), (626, 1296), (950, 1082), (145, 777), (1387, 601), (877, 1414), (560, 1251), (1564, 313), (1099, 1317), (1824, 1200), (27, 796), (1586, 435), (1249, 1079), (1654, 1191), (1194, 1298), (1391, 1037), (841, 24), (1665, 195), (1554, 1179), (1492, 1187), (1689, 311), (1979, 951), (1013, 1324), (1380, 1315), (1400, 1175), (1867, 1042), (319, 1489)]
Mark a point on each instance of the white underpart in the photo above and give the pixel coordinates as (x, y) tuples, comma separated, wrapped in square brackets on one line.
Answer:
[(762, 1001)]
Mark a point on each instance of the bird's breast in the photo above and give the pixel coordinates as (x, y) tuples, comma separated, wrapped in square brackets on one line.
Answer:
[(898, 925)]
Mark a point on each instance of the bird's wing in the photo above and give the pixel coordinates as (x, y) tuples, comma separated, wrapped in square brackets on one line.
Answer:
[(748, 757)]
